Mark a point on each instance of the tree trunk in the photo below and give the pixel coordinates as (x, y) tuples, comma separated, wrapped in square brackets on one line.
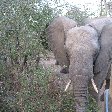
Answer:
[(106, 7), (101, 10)]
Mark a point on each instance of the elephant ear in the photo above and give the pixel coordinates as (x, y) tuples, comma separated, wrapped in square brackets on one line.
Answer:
[(56, 32), (103, 61)]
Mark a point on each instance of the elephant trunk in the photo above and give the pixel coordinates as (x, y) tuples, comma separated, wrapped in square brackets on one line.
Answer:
[(81, 72), (80, 88)]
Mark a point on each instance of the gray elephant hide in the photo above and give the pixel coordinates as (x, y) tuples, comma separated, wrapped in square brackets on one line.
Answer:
[(82, 46), (99, 23), (104, 59), (56, 36)]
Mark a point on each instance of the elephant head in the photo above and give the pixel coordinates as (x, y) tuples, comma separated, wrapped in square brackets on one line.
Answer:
[(56, 38), (82, 46)]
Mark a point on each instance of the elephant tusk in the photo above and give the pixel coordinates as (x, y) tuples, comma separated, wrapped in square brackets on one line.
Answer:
[(94, 85), (68, 84)]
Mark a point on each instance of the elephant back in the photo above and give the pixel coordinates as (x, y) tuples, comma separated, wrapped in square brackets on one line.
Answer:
[(99, 23), (106, 36)]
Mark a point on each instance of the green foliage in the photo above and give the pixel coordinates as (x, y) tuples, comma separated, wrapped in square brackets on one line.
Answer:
[(23, 82), (33, 95), (21, 25), (92, 107), (79, 15)]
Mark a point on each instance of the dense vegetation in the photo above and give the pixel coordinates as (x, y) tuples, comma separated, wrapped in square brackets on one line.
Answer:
[(23, 82)]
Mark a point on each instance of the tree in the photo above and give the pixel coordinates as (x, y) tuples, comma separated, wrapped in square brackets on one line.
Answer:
[(109, 7), (22, 23), (106, 8), (79, 15), (23, 82)]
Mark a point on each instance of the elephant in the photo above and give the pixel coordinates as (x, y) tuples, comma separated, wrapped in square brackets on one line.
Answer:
[(102, 66), (56, 38), (82, 48)]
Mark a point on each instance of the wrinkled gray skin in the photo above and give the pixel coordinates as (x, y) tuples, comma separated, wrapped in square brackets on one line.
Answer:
[(82, 47), (56, 38), (98, 24), (102, 68)]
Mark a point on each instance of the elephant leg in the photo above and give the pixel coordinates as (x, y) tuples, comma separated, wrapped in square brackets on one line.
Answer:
[(107, 85), (65, 69), (80, 91)]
